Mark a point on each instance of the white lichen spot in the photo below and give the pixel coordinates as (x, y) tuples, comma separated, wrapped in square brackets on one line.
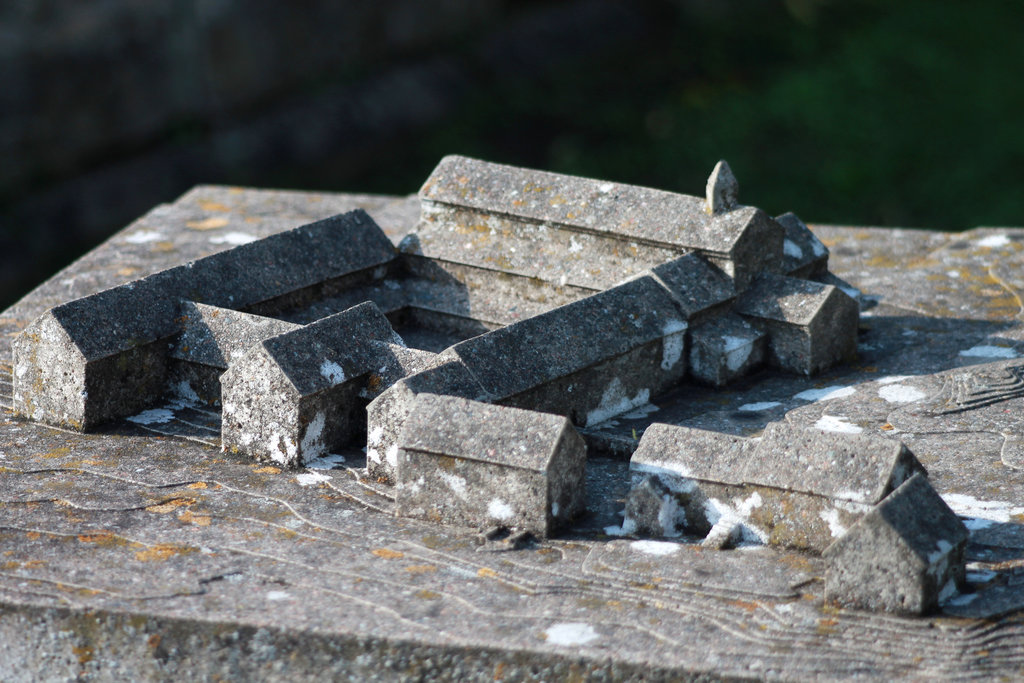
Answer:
[(144, 236), (826, 393), (989, 351), (628, 528), (373, 454), (278, 595), (893, 379), (759, 406), (994, 241), (311, 478), (326, 462), (981, 514), (792, 249), (312, 440), (838, 424), (500, 510), (152, 416), (573, 633), (672, 349), (955, 274), (391, 455), (374, 436), (737, 351), (332, 372), (641, 412), (233, 238), (456, 483), (900, 393), (185, 392), (20, 371), (660, 548), (574, 246), (615, 401), (724, 514), (605, 188), (831, 517)]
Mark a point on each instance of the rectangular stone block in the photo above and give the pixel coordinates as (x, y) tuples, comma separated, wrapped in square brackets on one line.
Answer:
[(475, 464), (903, 556), (810, 326), (104, 355), (638, 319)]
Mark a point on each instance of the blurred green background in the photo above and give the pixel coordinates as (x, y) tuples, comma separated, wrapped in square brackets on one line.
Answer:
[(864, 112)]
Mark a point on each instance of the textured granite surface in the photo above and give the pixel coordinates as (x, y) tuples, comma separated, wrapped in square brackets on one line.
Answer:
[(143, 551)]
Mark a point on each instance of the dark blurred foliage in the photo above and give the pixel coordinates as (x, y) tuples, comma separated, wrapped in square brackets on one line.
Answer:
[(861, 112)]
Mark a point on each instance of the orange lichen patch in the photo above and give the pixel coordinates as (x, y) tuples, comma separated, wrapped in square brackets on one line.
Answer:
[(745, 605), (57, 452), (102, 538), (207, 224), (387, 553), (188, 517), (207, 205), (32, 535), (127, 271), (197, 485), (162, 552), (164, 246), (887, 427), (269, 469), (154, 640), (427, 595), (827, 626), (421, 569), (83, 653), (486, 573), (170, 505)]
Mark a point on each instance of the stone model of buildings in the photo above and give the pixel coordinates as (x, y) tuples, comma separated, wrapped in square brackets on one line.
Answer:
[(862, 502), (521, 294)]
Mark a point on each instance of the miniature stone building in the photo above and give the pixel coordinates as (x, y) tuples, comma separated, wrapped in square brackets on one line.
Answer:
[(798, 488), (470, 463), (902, 556), (536, 290), (863, 502)]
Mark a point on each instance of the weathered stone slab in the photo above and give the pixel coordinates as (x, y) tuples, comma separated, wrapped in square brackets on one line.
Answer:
[(743, 242), (810, 326), (386, 414), (104, 355), (793, 487), (470, 463), (292, 397), (903, 556), (803, 254), (724, 349), (635, 324)]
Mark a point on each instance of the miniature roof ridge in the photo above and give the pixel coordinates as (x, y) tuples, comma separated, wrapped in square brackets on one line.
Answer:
[(774, 461), (145, 310), (657, 225), (538, 444)]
